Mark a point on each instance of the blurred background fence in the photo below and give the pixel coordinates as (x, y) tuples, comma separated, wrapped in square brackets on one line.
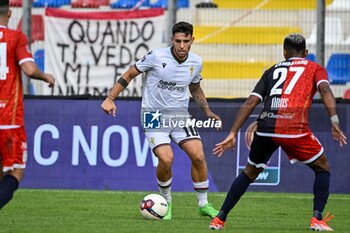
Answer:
[(237, 39)]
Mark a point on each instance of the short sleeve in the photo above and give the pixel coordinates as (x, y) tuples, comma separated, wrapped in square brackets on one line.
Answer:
[(23, 53), (321, 75), (198, 77), (146, 62), (260, 88)]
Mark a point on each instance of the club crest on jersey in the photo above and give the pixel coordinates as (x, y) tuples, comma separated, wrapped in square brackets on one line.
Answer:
[(163, 64), (191, 70), (152, 141)]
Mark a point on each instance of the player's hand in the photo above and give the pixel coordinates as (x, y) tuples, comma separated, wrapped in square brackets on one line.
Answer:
[(50, 80), (109, 107), (228, 143), (212, 115), (338, 135)]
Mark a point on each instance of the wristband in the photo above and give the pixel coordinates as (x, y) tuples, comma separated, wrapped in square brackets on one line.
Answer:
[(123, 82), (111, 97), (335, 119)]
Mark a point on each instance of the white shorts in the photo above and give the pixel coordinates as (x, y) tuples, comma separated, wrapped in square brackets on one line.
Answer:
[(164, 136)]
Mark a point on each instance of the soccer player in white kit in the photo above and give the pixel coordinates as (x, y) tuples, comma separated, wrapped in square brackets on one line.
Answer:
[(169, 73)]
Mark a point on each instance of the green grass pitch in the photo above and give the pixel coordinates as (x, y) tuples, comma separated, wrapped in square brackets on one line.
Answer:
[(73, 211)]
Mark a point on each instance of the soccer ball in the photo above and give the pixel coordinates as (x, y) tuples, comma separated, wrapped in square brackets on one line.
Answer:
[(153, 206)]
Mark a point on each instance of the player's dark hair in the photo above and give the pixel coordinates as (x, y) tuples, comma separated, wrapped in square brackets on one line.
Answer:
[(183, 27), (4, 7), (294, 42)]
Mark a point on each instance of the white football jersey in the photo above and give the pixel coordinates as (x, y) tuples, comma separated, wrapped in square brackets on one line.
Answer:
[(167, 80)]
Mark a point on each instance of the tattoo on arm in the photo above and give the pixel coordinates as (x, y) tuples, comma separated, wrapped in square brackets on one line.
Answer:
[(198, 96), (201, 101)]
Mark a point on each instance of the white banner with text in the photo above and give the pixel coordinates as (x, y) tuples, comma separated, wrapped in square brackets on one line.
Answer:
[(88, 51)]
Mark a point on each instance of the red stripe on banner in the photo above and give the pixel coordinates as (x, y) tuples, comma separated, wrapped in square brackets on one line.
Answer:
[(108, 15)]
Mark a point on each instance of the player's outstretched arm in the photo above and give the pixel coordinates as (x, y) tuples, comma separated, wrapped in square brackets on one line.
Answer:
[(108, 105), (244, 112), (330, 104), (242, 115), (33, 71), (199, 96)]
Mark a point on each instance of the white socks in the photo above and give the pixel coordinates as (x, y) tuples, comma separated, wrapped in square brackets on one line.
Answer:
[(201, 192), (165, 189), (200, 187)]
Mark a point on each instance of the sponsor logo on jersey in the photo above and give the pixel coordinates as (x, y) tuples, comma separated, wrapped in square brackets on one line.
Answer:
[(263, 115), (288, 116), (277, 116), (278, 103), (171, 86)]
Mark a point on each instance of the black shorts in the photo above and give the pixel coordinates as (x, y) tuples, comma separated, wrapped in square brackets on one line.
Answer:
[(261, 150)]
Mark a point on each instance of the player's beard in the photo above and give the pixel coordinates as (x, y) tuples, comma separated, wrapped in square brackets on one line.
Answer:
[(182, 54)]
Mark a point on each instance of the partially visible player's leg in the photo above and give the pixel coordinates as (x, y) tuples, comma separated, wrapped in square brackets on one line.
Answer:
[(260, 153), (309, 151), (199, 171), (321, 185), (237, 189), (164, 175), (13, 152), (159, 142), (321, 194), (194, 150), (165, 157), (9, 184)]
